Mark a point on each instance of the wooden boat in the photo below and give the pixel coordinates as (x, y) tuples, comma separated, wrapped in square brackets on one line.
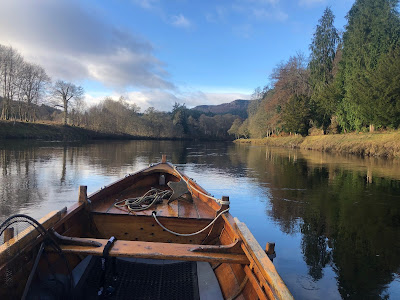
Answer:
[(187, 246)]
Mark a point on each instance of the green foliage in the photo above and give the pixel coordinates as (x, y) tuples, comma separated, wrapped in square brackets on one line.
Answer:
[(386, 90), (179, 116), (244, 129), (353, 81), (323, 50), (296, 115), (324, 47), (373, 29), (234, 130)]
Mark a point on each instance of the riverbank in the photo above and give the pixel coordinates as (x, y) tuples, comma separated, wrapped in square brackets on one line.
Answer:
[(54, 132), (365, 144)]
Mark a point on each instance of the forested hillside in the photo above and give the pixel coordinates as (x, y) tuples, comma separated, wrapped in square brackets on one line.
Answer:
[(350, 81), (237, 107)]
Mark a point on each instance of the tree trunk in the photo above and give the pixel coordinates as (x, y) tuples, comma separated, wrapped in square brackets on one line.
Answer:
[(371, 128), (65, 115)]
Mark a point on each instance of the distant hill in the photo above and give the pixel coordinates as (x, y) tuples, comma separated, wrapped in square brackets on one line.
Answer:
[(237, 107)]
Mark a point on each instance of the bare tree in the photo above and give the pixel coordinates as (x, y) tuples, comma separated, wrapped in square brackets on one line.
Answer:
[(32, 85), (65, 92), (10, 64)]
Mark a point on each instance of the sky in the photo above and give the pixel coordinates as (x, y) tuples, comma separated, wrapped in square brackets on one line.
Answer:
[(155, 52)]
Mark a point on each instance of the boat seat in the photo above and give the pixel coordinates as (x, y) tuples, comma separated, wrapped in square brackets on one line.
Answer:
[(154, 250), (149, 279)]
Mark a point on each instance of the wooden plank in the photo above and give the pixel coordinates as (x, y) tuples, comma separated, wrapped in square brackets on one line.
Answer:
[(264, 284), (186, 209), (71, 212), (155, 251), (205, 211), (226, 239), (265, 265), (145, 228), (256, 285), (8, 234), (227, 280)]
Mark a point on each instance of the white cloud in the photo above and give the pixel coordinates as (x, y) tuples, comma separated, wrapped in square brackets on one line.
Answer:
[(180, 21), (73, 43)]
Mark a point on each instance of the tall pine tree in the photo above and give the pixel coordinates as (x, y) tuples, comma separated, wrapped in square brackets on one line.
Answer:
[(372, 30), (323, 51)]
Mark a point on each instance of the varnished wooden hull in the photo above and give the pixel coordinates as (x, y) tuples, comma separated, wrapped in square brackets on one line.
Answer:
[(241, 266)]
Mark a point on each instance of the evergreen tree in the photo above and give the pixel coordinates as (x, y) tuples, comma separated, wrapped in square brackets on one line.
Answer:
[(372, 30), (323, 52), (323, 49), (386, 90)]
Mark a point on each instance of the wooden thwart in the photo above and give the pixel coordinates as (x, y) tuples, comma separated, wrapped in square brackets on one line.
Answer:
[(153, 250)]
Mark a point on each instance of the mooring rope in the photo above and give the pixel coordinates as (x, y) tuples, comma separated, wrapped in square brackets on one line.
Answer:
[(188, 234)]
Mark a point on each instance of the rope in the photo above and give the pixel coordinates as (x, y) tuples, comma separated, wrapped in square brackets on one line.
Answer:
[(134, 204), (188, 234), (190, 187)]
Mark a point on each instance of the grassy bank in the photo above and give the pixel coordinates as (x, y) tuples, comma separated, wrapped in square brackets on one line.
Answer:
[(53, 132), (366, 144)]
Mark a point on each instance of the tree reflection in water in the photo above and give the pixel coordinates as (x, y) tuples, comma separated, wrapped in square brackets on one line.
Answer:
[(346, 220)]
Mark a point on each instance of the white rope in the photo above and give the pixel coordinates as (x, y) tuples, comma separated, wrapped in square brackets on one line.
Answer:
[(188, 234), (193, 188), (134, 204)]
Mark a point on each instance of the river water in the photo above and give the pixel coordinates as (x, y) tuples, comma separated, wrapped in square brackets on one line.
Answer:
[(335, 219)]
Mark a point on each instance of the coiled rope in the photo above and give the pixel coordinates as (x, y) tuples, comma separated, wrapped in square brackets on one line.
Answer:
[(188, 234), (151, 197)]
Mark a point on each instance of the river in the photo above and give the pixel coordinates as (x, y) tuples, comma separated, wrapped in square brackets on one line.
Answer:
[(335, 219)]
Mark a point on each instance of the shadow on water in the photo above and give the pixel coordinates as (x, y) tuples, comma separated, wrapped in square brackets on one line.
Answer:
[(341, 212)]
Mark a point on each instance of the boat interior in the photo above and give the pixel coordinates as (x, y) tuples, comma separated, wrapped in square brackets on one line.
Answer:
[(180, 244)]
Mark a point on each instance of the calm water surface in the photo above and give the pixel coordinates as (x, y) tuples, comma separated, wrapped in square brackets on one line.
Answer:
[(335, 219)]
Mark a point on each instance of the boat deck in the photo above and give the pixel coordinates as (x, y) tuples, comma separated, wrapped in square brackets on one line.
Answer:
[(179, 208)]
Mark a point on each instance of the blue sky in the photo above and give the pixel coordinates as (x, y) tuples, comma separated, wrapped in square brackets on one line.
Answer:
[(158, 52)]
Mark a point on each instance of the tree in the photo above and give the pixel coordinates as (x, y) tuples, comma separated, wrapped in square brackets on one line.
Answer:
[(244, 129), (10, 64), (179, 116), (324, 47), (296, 115), (373, 29), (234, 130), (323, 50), (32, 85), (65, 92), (386, 89)]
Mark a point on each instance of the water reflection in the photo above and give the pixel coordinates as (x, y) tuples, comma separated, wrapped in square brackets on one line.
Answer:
[(336, 219)]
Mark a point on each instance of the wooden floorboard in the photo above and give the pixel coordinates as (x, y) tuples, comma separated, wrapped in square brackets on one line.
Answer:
[(178, 208), (187, 209)]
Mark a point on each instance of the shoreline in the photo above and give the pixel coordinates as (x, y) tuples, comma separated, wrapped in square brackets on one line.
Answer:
[(364, 144), (10, 130)]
